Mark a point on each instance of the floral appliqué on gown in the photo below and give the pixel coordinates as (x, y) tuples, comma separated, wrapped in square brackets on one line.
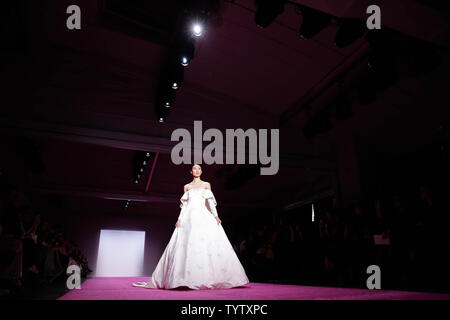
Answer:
[(199, 254)]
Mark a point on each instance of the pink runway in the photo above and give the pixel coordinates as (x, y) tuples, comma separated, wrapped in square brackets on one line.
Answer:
[(108, 288)]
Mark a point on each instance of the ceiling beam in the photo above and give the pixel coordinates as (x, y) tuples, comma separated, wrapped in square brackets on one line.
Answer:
[(136, 142), (121, 195), (155, 161), (107, 138)]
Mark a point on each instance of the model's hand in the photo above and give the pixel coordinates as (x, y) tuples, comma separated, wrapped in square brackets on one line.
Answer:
[(218, 220), (177, 224)]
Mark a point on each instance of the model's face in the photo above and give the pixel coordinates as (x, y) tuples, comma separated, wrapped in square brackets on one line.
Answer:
[(196, 171)]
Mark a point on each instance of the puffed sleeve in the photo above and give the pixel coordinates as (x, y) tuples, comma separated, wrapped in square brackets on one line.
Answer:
[(209, 197), (184, 199)]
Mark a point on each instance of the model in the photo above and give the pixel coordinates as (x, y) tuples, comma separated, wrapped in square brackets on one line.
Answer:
[(199, 254)]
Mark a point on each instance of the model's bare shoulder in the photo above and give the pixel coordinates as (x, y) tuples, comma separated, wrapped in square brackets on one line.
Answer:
[(186, 187), (207, 185)]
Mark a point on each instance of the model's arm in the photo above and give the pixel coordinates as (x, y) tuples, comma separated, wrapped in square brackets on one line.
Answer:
[(213, 208)]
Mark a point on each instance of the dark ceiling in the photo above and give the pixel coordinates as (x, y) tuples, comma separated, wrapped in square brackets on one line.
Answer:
[(86, 97)]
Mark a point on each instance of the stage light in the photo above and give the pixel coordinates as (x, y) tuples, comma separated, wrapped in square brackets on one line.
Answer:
[(267, 11), (313, 21), (184, 61), (161, 112), (197, 29), (138, 168), (164, 99), (144, 163), (136, 181), (147, 155), (175, 73), (185, 49)]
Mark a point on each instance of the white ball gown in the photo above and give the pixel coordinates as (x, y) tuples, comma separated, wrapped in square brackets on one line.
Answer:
[(199, 254)]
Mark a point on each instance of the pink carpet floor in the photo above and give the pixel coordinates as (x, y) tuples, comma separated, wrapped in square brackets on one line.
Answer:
[(119, 288)]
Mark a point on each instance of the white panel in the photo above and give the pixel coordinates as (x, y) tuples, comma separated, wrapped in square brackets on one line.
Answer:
[(120, 253)]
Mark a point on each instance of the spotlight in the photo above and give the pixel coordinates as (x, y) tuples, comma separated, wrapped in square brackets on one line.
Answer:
[(185, 49), (164, 99), (313, 21), (144, 163), (175, 73), (139, 169), (197, 29), (267, 11), (161, 112), (136, 181)]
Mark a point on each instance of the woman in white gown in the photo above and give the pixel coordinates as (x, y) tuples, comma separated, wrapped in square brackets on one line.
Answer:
[(199, 254)]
